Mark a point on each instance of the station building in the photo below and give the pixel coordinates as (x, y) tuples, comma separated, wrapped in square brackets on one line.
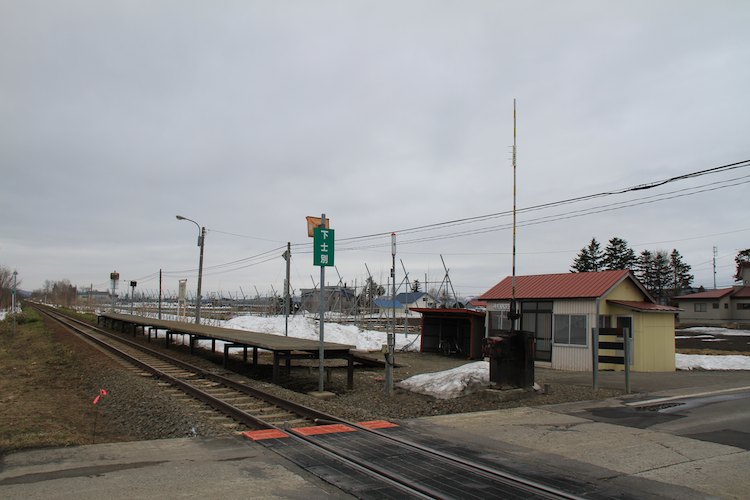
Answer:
[(562, 309)]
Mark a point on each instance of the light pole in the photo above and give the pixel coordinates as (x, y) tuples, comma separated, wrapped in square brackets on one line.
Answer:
[(201, 238), (13, 301)]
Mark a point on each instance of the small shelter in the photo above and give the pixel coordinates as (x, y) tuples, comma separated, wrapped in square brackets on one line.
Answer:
[(562, 310), (453, 332)]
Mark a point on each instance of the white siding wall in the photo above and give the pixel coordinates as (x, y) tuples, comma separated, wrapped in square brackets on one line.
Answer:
[(576, 358)]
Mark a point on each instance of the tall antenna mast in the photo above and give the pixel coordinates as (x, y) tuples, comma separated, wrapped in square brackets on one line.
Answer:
[(512, 314)]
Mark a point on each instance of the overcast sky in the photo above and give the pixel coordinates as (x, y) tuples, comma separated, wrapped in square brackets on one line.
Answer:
[(246, 116)]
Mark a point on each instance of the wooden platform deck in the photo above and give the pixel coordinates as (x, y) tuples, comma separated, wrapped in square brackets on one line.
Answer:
[(283, 348)]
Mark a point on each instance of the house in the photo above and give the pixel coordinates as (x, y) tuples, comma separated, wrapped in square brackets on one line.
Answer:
[(725, 306), (405, 302), (562, 310), (338, 299)]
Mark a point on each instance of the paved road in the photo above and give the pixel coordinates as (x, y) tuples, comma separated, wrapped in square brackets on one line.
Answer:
[(693, 450)]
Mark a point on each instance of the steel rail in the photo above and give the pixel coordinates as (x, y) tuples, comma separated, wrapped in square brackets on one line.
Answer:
[(371, 470), (375, 471), (297, 408), (532, 486), (216, 403)]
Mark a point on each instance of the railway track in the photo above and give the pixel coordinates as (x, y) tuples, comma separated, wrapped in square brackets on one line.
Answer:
[(247, 405), (379, 461)]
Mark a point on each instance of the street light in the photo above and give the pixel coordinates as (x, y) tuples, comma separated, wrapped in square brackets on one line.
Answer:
[(201, 237), (13, 301)]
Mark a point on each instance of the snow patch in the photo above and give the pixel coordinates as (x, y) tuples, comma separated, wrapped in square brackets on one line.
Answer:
[(450, 384), (708, 362)]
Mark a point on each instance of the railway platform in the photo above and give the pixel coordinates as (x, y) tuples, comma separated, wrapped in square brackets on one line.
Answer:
[(283, 348)]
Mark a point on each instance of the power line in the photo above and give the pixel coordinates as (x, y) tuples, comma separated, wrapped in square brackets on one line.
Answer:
[(561, 216), (639, 187), (246, 262)]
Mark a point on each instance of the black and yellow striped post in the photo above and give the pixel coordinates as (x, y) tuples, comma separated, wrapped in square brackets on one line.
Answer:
[(612, 346)]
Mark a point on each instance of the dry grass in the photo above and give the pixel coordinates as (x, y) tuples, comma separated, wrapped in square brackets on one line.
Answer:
[(45, 396), (709, 352)]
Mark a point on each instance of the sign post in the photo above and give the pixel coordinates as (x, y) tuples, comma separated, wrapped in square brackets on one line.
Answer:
[(323, 245)]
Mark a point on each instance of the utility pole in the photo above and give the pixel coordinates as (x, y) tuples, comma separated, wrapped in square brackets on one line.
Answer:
[(715, 252), (370, 286), (287, 257), (391, 347), (159, 293)]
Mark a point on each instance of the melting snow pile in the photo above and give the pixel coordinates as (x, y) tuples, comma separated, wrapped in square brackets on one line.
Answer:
[(706, 362), (451, 383), (306, 327)]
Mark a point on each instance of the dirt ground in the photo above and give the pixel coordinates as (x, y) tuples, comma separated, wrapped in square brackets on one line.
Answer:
[(50, 379), (47, 388), (691, 342)]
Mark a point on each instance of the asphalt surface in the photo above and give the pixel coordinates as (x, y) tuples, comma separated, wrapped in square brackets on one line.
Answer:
[(680, 448)]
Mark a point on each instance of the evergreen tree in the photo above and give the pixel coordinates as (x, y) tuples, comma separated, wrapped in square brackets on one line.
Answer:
[(371, 291), (618, 255), (657, 273), (682, 278), (588, 259), (662, 275), (643, 269)]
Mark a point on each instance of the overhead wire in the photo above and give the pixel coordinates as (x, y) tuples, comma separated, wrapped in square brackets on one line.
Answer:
[(305, 248)]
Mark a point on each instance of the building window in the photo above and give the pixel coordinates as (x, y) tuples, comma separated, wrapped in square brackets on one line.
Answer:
[(726, 305), (715, 305), (700, 307), (743, 307), (570, 329), (499, 320)]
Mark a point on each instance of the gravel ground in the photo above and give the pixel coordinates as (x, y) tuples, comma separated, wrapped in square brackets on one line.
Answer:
[(142, 410), (138, 407)]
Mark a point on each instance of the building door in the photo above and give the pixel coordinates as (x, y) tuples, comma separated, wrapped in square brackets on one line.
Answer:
[(536, 317)]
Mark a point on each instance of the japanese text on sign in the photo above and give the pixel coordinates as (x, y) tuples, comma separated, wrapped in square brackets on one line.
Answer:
[(323, 247)]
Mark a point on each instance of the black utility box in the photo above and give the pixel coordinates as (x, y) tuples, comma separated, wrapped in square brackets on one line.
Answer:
[(511, 357)]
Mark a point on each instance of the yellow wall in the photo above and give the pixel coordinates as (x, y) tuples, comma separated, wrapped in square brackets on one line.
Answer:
[(653, 333)]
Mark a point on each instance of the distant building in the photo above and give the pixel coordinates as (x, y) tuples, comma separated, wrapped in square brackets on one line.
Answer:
[(725, 306), (338, 299), (405, 302)]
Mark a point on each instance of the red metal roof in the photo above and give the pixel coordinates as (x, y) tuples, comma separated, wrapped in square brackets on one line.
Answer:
[(449, 312), (644, 306), (742, 293), (708, 294), (560, 286)]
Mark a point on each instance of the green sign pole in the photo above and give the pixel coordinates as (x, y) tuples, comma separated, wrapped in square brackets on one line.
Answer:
[(323, 245)]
